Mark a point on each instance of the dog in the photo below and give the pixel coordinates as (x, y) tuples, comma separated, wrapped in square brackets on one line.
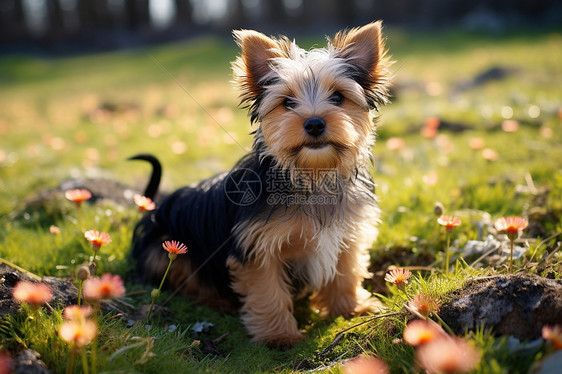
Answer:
[(296, 215)]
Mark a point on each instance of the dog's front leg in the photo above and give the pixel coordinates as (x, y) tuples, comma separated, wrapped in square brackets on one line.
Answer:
[(267, 310), (344, 295)]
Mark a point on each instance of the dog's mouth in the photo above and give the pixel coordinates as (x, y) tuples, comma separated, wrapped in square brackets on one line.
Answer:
[(316, 145)]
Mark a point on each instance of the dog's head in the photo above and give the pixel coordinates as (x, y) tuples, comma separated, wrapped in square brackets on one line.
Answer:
[(313, 106)]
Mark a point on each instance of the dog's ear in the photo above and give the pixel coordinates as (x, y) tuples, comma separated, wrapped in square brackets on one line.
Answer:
[(362, 47), (254, 62)]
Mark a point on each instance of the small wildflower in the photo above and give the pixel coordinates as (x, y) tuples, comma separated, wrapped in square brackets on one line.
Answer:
[(34, 294), (448, 355), (97, 238), (395, 144), (78, 332), (424, 304), (108, 286), (54, 230), (510, 125), (365, 365), (511, 225), (75, 312), (78, 195), (398, 276), (144, 203), (449, 222), (553, 334), (419, 332), (174, 247), (476, 143), (489, 154)]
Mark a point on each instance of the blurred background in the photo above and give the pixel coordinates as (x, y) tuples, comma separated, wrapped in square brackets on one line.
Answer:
[(75, 25)]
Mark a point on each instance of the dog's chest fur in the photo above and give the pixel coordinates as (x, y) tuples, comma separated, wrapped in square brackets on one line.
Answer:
[(309, 238)]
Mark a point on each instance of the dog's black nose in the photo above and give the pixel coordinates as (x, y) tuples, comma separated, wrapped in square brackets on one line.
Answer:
[(314, 126)]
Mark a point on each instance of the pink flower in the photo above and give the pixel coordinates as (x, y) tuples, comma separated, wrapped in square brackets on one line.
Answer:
[(75, 312), (174, 247), (78, 332), (144, 203), (97, 238), (365, 365), (398, 276), (54, 230), (511, 225), (424, 304), (34, 294), (449, 222), (553, 334), (419, 332), (448, 355), (77, 196), (395, 144), (107, 287)]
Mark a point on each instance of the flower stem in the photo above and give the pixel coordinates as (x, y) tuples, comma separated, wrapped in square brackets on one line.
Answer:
[(159, 289), (511, 257), (447, 253), (70, 365), (84, 361), (94, 355), (80, 292)]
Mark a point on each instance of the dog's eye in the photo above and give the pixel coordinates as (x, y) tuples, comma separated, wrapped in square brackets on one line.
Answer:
[(289, 103), (336, 98)]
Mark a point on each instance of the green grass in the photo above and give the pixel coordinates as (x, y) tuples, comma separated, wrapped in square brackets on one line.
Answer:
[(52, 128)]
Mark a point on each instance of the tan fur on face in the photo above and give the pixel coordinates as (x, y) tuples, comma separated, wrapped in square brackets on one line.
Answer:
[(272, 70)]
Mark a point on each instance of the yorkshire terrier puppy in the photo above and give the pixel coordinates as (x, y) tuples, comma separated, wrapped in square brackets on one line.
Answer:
[(297, 214)]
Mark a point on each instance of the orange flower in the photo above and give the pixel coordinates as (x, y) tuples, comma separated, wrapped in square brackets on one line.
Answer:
[(107, 287), (34, 294), (489, 154), (395, 144), (553, 334), (449, 222), (144, 203), (174, 247), (97, 238), (448, 355), (398, 276), (424, 304), (511, 225), (75, 312), (78, 195), (54, 230), (79, 332), (420, 332), (365, 365)]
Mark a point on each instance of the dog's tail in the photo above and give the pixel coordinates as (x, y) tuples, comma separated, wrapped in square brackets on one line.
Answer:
[(155, 177)]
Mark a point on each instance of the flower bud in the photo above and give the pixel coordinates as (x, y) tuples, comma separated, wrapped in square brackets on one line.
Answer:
[(438, 209), (83, 272), (155, 293)]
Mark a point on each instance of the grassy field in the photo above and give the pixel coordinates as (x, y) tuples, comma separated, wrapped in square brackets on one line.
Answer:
[(497, 151)]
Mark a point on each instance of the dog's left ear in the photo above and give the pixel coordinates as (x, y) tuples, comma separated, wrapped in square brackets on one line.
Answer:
[(362, 47)]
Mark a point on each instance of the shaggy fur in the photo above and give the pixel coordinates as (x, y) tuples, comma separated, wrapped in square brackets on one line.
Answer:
[(297, 214)]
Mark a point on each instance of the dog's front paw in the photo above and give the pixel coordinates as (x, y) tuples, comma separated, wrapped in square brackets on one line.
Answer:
[(368, 305)]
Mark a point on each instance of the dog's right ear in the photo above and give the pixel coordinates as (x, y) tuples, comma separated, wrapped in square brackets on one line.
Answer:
[(251, 67)]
